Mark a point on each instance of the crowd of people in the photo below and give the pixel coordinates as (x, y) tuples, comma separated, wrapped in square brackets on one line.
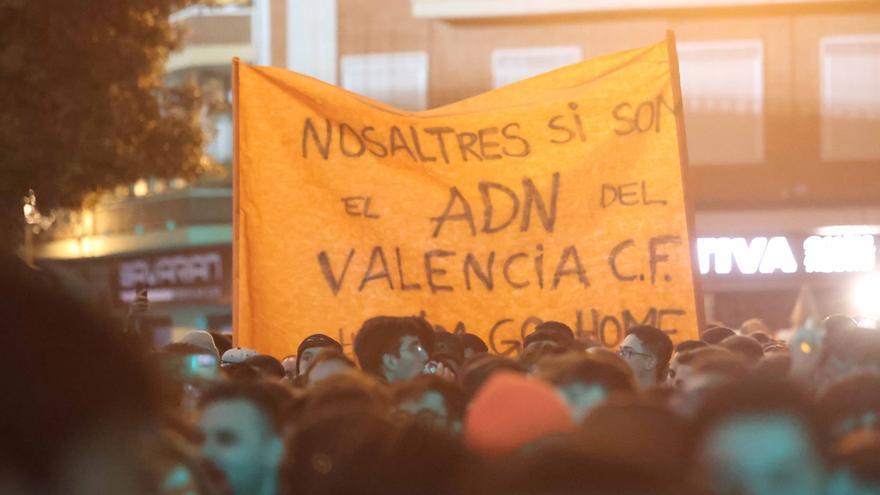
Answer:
[(90, 409)]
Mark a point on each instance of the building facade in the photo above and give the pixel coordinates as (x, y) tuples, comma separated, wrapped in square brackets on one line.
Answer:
[(782, 109)]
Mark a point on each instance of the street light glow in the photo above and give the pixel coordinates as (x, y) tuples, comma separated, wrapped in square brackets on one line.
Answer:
[(866, 295)]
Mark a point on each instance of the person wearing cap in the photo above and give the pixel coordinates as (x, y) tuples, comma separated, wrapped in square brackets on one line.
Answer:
[(473, 345), (237, 355), (203, 339), (550, 331), (394, 348), (311, 347)]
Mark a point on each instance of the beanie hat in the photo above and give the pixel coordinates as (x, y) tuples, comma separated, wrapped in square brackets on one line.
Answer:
[(511, 411), (203, 339), (316, 340)]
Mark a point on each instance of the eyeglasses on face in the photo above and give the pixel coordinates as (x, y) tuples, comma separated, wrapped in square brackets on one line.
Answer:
[(629, 352)]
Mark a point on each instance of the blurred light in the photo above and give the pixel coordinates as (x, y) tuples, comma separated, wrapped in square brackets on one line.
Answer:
[(73, 248), (32, 215), (159, 185), (178, 183), (88, 222), (141, 188), (866, 295), (839, 253), (868, 322), (848, 230)]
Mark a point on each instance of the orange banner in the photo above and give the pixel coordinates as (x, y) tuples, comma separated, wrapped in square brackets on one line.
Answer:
[(555, 198)]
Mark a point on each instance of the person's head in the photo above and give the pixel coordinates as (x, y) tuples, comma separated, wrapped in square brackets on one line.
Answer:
[(775, 348), (431, 400), (222, 342), (344, 392), (713, 324), (237, 355), (681, 348), (684, 363), (773, 367), (856, 461), (571, 467), (241, 423), (240, 372), (289, 364), (754, 325), (715, 335), (201, 339), (759, 438), (448, 351), (325, 365), (852, 404), (185, 366), (267, 366), (584, 382), (479, 368), (75, 390), (689, 345), (549, 331), (448, 345), (833, 323), (394, 348), (512, 411), (311, 347), (611, 357), (473, 345), (747, 348), (343, 452), (536, 351), (185, 349), (634, 430), (700, 371), (848, 351), (647, 350)]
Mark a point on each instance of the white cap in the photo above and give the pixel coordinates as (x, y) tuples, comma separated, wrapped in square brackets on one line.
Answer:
[(203, 339), (237, 355)]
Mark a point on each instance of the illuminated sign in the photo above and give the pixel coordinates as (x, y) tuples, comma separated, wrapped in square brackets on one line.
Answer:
[(180, 276), (758, 255), (769, 255), (839, 253)]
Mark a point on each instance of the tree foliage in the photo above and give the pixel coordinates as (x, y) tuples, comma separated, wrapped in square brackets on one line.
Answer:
[(83, 104)]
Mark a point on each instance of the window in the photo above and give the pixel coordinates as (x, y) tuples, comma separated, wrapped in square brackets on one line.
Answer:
[(722, 84), (220, 146), (515, 64), (397, 79), (850, 94), (215, 8)]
